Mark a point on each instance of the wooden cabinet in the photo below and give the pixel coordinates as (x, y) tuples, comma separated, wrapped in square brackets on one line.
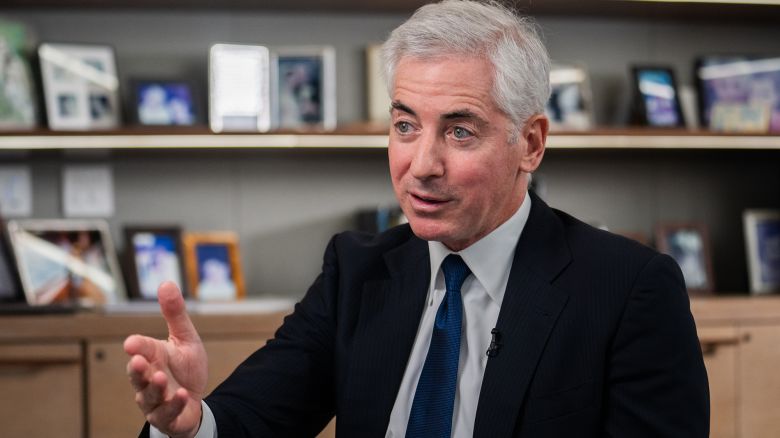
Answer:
[(741, 344)]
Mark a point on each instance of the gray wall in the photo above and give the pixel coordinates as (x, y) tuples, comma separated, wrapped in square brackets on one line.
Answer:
[(285, 205)]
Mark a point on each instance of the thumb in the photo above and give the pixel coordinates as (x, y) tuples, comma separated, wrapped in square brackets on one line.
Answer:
[(174, 311)]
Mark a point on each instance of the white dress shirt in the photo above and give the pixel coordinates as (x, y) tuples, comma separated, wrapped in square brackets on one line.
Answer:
[(490, 260)]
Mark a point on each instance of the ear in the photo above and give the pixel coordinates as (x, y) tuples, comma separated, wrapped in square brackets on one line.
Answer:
[(534, 136)]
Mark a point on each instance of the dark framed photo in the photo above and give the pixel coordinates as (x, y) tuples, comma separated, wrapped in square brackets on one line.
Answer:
[(656, 97), (762, 241), (689, 246), (17, 88), (10, 283), (213, 266), (304, 91), (154, 255), (739, 93), (67, 261), (570, 107), (80, 85), (239, 88), (164, 102)]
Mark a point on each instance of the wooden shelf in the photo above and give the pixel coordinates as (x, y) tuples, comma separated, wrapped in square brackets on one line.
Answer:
[(369, 139)]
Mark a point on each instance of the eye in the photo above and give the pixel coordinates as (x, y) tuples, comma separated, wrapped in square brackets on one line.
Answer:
[(461, 133), (403, 127)]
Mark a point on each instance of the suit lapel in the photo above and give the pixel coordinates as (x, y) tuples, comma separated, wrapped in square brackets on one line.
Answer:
[(389, 317), (528, 314)]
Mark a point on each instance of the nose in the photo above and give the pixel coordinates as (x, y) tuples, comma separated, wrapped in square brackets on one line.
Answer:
[(428, 159)]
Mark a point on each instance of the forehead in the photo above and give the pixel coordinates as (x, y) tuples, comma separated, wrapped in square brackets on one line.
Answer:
[(443, 81)]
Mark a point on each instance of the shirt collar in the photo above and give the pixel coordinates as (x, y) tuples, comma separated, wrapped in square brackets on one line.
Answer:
[(490, 258)]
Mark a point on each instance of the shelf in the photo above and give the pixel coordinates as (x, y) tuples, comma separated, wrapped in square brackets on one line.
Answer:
[(370, 139)]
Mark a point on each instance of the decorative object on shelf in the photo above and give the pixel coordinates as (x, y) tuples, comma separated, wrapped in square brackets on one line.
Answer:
[(304, 91), (153, 255), (689, 246), (571, 102), (87, 190), (80, 85), (656, 100), (70, 261), (164, 102), (15, 191), (378, 101), (213, 266), (17, 89), (10, 283), (739, 93), (239, 88), (762, 241)]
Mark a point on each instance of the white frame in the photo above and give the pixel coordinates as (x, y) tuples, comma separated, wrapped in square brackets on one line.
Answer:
[(243, 106), (751, 219), (327, 86), (377, 100), (18, 232), (65, 71), (576, 75)]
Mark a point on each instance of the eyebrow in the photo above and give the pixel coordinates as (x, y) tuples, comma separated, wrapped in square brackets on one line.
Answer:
[(452, 115)]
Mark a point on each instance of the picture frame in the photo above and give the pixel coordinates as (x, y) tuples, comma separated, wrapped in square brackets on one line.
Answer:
[(239, 88), (18, 100), (10, 283), (213, 266), (377, 99), (570, 107), (762, 243), (739, 93), (656, 97), (689, 245), (67, 261), (164, 102), (304, 87), (153, 254), (80, 85)]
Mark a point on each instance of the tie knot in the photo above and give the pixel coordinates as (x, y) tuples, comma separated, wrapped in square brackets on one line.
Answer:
[(455, 272)]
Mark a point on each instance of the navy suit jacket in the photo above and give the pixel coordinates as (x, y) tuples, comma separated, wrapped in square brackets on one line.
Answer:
[(597, 340)]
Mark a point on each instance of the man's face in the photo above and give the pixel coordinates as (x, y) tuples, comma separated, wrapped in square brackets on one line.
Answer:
[(454, 170)]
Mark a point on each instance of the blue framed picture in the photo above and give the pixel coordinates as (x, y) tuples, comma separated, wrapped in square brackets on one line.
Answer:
[(153, 255), (164, 103), (762, 241), (657, 99)]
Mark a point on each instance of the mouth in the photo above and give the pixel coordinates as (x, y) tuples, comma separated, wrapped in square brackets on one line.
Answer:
[(428, 203)]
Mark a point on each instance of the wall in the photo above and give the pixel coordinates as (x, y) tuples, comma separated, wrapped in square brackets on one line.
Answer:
[(286, 205)]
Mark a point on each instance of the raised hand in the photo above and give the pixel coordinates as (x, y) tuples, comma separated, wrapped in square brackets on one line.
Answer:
[(169, 377)]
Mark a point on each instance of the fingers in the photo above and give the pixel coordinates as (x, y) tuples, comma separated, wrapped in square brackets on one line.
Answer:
[(141, 345), (165, 414), (175, 313)]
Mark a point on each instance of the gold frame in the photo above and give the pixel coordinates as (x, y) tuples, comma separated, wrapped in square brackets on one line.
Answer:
[(191, 240)]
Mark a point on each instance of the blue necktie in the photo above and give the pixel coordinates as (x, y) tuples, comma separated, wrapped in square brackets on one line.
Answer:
[(431, 414)]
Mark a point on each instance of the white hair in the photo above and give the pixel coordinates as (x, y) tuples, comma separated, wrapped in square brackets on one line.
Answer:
[(512, 43)]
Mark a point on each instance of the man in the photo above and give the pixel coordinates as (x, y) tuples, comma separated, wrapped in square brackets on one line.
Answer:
[(489, 315)]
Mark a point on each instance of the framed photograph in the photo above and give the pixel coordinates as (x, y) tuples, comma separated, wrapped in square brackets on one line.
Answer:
[(762, 241), (213, 266), (656, 97), (67, 261), (80, 86), (739, 93), (570, 107), (10, 284), (689, 246), (17, 89), (304, 91), (154, 255), (239, 88), (378, 101), (162, 102)]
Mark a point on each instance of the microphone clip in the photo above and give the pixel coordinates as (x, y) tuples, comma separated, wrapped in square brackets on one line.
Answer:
[(495, 343)]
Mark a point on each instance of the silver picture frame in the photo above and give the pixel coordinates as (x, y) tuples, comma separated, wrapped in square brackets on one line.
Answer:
[(239, 88), (304, 87)]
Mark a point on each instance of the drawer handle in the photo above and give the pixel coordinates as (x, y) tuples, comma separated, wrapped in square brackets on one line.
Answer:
[(710, 345)]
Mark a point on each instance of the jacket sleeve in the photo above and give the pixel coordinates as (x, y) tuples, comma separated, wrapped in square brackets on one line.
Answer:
[(657, 384), (286, 389)]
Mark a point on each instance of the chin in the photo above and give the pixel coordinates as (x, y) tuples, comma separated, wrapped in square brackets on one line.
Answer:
[(427, 229)]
